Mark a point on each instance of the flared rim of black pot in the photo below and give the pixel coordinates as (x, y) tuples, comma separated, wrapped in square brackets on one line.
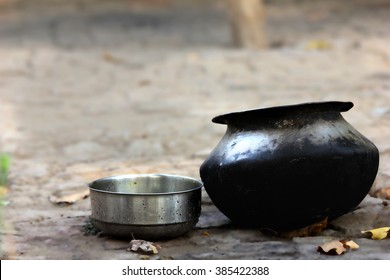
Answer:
[(337, 106)]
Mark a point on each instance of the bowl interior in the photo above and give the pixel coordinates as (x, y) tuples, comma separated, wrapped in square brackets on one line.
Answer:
[(146, 184)]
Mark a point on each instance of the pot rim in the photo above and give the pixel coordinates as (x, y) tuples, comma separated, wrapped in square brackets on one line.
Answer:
[(338, 106), (198, 183)]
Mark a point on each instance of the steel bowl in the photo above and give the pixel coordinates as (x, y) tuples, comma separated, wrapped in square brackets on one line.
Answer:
[(145, 206)]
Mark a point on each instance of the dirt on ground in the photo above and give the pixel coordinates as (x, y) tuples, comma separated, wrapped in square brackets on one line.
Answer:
[(97, 88)]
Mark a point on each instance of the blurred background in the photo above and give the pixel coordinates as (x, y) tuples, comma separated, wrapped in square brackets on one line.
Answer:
[(115, 77)]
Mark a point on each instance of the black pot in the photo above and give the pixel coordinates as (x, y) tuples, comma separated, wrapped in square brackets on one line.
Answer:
[(287, 167)]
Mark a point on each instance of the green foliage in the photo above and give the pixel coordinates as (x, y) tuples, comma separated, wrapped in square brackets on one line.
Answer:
[(4, 169)]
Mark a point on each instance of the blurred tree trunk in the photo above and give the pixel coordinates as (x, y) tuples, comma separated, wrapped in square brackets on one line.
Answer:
[(3, 3), (247, 18)]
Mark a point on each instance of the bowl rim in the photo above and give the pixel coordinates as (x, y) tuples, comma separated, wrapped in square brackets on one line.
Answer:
[(123, 176)]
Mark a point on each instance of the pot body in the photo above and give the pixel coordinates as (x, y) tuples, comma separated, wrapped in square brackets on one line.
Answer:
[(287, 167)]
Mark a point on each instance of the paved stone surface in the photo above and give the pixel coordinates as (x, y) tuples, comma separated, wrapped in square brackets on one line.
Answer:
[(91, 90)]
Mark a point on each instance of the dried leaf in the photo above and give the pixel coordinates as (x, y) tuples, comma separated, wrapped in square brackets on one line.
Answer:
[(334, 247), (143, 247), (337, 247), (3, 191), (144, 83), (350, 244), (378, 233), (193, 57), (318, 45), (205, 233), (154, 249), (383, 193), (107, 56), (69, 196), (310, 230)]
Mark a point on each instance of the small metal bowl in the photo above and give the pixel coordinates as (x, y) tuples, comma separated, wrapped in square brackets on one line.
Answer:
[(145, 206)]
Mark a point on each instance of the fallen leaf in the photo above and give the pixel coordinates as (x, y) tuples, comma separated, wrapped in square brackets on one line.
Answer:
[(193, 57), (350, 244), (205, 233), (4, 202), (3, 191), (378, 233), (68, 196), (309, 230), (334, 247), (318, 45), (143, 247), (383, 193), (143, 83), (107, 56), (337, 247)]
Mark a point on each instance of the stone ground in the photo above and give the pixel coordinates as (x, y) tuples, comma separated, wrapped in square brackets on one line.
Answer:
[(97, 88)]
